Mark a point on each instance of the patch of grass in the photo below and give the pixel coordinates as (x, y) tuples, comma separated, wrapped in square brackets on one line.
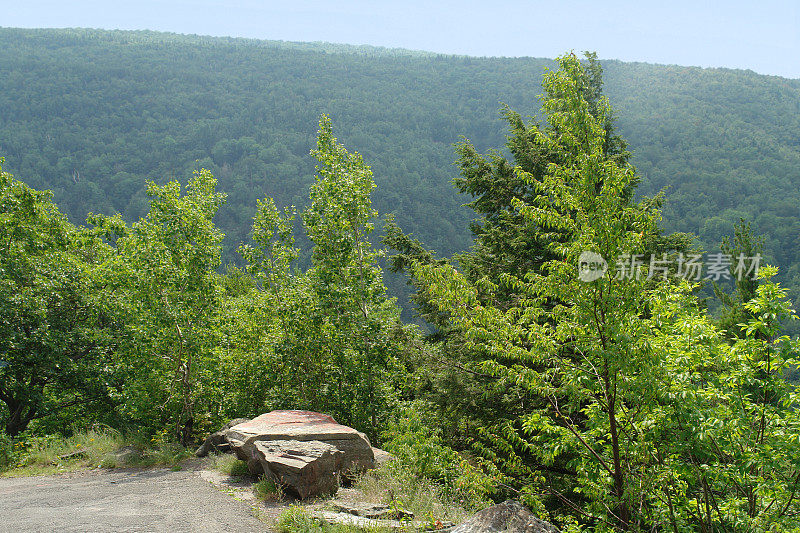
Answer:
[(50, 455), (267, 490), (229, 464), (393, 486), (109, 461), (295, 519), (162, 454), (92, 448)]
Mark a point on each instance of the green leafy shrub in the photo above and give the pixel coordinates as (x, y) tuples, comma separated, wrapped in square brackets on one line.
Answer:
[(421, 453), (6, 451), (159, 450)]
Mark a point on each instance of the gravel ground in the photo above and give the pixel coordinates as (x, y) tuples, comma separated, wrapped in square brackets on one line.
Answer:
[(123, 500)]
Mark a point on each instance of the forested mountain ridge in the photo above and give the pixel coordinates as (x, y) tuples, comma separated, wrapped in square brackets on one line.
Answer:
[(90, 114), (603, 403)]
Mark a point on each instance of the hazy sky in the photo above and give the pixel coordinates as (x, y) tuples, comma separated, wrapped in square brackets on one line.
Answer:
[(763, 35)]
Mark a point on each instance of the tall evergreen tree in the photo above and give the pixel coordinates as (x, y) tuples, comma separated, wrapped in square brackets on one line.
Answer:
[(574, 348), (505, 241), (643, 418)]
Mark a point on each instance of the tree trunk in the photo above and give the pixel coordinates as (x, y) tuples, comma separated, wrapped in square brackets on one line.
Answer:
[(17, 422), (621, 510)]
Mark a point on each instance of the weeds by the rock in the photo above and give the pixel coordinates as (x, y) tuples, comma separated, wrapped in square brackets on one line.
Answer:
[(268, 490), (94, 448), (429, 501), (229, 464)]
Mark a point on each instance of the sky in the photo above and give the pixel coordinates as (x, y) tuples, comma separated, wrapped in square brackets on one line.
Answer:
[(763, 36)]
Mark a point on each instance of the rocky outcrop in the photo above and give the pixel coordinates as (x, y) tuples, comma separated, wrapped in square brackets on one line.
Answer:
[(216, 442), (381, 457), (373, 511), (508, 517), (371, 517), (309, 468), (303, 426)]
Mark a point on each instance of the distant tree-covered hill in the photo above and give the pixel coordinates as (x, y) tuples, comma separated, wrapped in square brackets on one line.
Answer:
[(90, 114)]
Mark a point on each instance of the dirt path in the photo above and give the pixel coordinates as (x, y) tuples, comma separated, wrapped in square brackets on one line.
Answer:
[(122, 501)]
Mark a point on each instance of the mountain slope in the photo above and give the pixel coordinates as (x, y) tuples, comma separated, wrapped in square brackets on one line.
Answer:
[(90, 114)]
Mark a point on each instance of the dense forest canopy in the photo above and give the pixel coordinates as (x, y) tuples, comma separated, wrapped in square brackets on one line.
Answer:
[(91, 114)]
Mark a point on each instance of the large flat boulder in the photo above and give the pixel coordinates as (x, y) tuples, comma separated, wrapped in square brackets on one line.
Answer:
[(306, 468), (507, 517), (303, 426)]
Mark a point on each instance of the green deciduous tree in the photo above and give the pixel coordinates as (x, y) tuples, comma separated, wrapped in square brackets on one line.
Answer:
[(723, 442), (326, 339), (54, 351), (262, 308), (270, 259), (355, 315), (164, 287)]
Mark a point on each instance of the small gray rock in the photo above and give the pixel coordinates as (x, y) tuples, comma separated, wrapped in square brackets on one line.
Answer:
[(216, 442), (507, 517), (71, 455), (381, 457), (376, 512)]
